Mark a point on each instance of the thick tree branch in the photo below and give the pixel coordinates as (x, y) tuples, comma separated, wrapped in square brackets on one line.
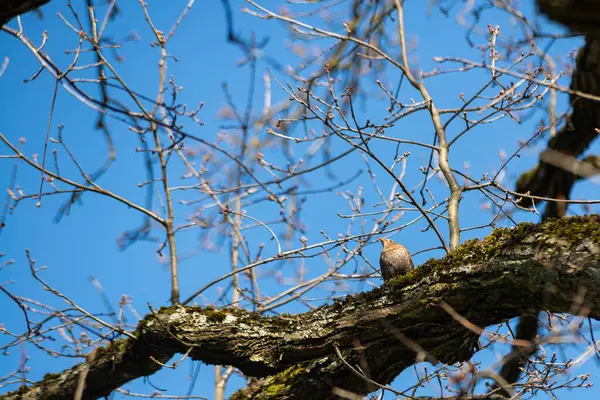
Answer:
[(11, 8), (549, 179), (488, 281), (577, 15), (559, 167)]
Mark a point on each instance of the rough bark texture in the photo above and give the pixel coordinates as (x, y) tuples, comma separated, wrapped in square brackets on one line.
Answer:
[(549, 180), (11, 8), (577, 15), (485, 282), (489, 281)]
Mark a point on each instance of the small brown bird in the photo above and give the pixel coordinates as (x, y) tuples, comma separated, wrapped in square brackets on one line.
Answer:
[(395, 259)]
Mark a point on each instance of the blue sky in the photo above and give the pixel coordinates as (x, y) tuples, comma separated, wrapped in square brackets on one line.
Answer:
[(84, 244)]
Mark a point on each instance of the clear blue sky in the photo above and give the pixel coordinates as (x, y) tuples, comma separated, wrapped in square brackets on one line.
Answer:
[(84, 244)]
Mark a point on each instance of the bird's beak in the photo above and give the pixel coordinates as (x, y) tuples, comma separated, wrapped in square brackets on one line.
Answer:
[(380, 239)]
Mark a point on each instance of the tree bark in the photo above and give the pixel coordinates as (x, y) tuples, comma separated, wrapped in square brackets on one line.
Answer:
[(487, 282), (389, 328), (549, 179), (577, 15), (12, 8)]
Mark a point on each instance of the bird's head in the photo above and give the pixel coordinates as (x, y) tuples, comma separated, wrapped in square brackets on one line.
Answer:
[(386, 242)]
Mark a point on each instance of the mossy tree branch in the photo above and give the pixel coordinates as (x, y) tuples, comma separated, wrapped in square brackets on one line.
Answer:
[(488, 281)]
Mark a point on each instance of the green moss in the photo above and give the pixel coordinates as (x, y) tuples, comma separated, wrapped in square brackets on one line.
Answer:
[(164, 310), (215, 316), (115, 349), (274, 386), (121, 345), (49, 376), (406, 279), (274, 389), (143, 325), (194, 308), (282, 381)]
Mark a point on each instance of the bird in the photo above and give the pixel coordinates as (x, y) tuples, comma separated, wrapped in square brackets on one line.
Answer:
[(395, 260)]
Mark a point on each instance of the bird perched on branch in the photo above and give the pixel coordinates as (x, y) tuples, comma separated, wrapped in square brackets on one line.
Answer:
[(395, 259)]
